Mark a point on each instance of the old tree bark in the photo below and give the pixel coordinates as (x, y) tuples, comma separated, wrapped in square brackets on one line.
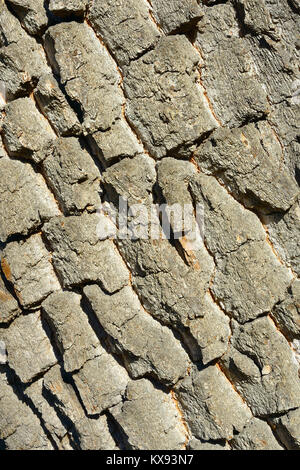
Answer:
[(118, 342)]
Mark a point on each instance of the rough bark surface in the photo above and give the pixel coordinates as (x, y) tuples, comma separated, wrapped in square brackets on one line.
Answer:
[(119, 343)]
